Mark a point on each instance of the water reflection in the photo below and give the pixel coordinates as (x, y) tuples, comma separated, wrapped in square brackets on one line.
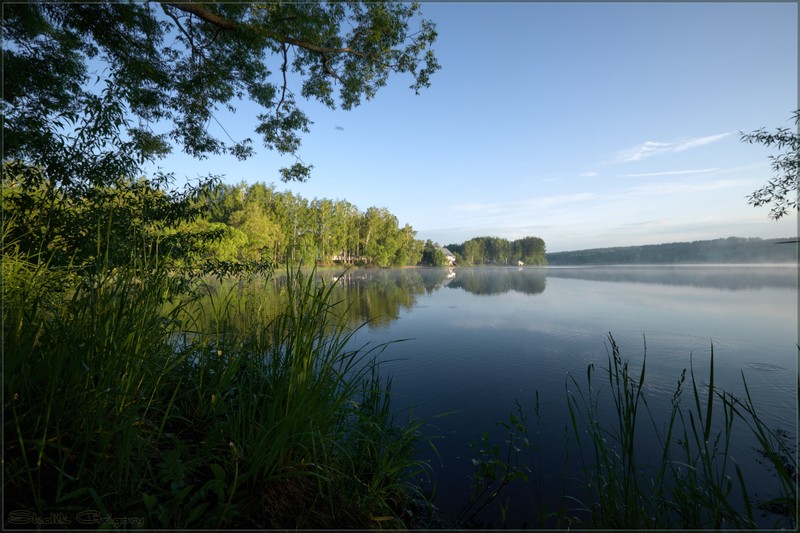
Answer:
[(499, 280), (732, 278), (379, 296)]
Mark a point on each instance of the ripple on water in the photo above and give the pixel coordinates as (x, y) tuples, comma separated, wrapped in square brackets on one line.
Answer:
[(764, 367)]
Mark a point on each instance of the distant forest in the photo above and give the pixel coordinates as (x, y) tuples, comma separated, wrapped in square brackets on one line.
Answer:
[(499, 251), (730, 250)]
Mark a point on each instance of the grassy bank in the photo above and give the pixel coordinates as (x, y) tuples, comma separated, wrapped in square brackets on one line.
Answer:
[(133, 398)]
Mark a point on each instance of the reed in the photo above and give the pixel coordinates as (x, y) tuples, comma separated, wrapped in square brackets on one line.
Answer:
[(131, 399), (692, 485), (691, 481), (498, 467)]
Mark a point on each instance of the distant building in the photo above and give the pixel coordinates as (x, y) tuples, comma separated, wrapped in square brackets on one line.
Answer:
[(451, 258)]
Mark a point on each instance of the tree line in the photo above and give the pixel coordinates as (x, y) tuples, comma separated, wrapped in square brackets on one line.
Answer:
[(499, 251), (728, 250), (261, 223), (233, 224), (237, 224)]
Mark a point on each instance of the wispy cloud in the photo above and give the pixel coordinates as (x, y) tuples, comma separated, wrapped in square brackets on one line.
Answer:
[(651, 148), (528, 203), (670, 173), (661, 189), (587, 174)]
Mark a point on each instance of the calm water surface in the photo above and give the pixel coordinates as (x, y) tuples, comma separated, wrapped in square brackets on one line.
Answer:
[(477, 340)]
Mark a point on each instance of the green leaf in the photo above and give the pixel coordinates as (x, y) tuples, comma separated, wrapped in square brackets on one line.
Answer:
[(219, 472), (196, 512), (149, 501)]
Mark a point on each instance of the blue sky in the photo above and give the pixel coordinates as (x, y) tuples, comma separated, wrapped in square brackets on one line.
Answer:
[(588, 125)]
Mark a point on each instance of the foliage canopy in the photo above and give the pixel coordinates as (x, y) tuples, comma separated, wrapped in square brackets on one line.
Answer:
[(172, 65)]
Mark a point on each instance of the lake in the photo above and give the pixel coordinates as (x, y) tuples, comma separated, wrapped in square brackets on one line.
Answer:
[(477, 340)]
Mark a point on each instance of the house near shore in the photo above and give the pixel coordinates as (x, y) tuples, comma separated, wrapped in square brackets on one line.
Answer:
[(451, 258)]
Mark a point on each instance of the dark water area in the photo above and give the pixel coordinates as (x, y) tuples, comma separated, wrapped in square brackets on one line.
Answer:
[(477, 340)]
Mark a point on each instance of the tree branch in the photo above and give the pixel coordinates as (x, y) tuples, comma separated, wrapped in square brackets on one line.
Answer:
[(183, 30), (326, 67), (204, 14), (283, 70), (229, 25)]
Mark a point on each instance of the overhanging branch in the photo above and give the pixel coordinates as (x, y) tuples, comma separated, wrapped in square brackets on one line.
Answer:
[(229, 25), (204, 14)]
